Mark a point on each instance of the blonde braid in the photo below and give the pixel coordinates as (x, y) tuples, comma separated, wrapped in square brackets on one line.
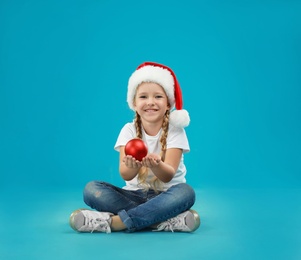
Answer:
[(138, 126), (164, 134)]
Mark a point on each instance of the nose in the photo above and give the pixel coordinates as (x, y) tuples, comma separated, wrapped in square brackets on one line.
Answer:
[(150, 101)]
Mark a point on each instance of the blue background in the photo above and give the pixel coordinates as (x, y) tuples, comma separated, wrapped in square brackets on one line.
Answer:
[(64, 67)]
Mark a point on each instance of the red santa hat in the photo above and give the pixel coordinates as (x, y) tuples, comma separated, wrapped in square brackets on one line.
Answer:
[(166, 78)]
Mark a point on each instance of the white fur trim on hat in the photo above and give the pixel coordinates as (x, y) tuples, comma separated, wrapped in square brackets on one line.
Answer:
[(154, 74), (179, 118)]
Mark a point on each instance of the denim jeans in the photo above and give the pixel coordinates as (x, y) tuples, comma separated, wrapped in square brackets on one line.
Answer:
[(139, 209)]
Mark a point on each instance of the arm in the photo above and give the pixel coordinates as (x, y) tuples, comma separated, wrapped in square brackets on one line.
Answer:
[(166, 170), (128, 166)]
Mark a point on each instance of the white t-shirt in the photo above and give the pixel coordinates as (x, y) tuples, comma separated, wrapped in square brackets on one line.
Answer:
[(176, 138)]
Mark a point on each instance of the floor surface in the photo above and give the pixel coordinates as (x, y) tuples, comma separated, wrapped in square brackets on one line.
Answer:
[(236, 224)]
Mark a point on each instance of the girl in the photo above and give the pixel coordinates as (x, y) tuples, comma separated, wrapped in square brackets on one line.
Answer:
[(156, 194)]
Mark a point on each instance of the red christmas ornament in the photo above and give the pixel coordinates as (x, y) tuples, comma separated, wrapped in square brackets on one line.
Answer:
[(136, 148)]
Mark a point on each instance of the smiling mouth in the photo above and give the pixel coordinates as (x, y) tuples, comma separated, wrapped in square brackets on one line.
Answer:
[(151, 110)]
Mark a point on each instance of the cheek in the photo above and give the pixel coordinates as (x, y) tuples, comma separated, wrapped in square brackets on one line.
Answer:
[(137, 105), (139, 102)]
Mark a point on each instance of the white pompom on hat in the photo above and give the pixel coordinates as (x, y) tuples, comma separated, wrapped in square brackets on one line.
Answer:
[(166, 78)]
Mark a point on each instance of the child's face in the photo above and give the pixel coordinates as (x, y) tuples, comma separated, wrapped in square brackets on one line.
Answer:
[(151, 102)]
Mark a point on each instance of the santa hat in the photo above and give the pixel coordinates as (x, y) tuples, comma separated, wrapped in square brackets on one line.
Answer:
[(166, 78)]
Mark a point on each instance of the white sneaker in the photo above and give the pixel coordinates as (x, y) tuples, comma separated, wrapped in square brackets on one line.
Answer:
[(187, 221), (83, 220)]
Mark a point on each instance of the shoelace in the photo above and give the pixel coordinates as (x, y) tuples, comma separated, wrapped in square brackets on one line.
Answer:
[(94, 223), (172, 224), (98, 223)]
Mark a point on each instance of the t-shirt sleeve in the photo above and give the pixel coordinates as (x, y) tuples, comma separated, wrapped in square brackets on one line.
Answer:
[(177, 138), (127, 133)]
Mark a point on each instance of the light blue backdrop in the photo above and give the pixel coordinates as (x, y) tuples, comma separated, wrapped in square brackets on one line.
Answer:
[(64, 68)]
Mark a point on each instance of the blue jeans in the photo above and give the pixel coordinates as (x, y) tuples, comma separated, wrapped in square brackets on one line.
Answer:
[(139, 209)]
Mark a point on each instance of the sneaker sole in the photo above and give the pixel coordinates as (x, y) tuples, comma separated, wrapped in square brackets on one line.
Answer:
[(71, 218), (197, 220)]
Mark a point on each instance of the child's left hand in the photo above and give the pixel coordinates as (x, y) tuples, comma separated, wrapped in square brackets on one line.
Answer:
[(151, 160)]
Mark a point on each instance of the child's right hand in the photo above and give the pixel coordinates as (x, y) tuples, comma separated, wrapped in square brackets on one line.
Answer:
[(131, 162)]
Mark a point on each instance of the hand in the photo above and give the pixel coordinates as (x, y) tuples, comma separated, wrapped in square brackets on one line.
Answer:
[(131, 162), (151, 160)]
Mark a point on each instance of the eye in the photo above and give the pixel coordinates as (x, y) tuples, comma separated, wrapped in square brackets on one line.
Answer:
[(159, 96), (142, 96)]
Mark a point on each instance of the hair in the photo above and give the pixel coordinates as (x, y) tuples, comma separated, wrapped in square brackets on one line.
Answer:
[(155, 184)]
